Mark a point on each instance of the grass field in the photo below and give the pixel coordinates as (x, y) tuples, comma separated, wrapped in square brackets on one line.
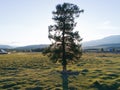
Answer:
[(33, 71)]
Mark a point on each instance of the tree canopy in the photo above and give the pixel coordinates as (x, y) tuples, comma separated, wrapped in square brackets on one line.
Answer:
[(66, 43)]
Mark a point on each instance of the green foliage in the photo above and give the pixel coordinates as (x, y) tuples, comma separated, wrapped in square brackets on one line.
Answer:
[(66, 46)]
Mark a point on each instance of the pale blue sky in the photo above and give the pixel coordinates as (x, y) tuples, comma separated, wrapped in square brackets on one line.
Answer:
[(25, 22)]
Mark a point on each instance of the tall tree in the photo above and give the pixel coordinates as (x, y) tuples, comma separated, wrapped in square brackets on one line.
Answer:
[(66, 46)]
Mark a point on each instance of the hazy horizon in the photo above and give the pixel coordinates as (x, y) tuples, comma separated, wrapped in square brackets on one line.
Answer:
[(26, 22), (83, 42)]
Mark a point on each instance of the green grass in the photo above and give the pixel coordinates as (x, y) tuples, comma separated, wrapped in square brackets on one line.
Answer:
[(33, 71)]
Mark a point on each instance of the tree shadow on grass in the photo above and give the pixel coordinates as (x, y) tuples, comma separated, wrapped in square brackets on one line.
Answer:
[(65, 82)]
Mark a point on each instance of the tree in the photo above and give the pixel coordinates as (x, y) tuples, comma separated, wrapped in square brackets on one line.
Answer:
[(66, 46)]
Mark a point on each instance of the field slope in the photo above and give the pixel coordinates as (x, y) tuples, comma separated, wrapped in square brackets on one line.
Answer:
[(33, 71)]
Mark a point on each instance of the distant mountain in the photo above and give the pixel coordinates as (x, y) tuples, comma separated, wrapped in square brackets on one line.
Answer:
[(32, 47), (114, 39), (105, 46), (5, 47), (110, 41), (115, 45)]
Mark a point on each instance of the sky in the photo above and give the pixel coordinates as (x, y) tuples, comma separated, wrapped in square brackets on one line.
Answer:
[(25, 22)]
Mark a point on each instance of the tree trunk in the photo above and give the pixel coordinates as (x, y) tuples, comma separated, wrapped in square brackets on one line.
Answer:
[(64, 63), (64, 68)]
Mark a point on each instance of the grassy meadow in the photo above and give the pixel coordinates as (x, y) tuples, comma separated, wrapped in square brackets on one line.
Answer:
[(33, 71)]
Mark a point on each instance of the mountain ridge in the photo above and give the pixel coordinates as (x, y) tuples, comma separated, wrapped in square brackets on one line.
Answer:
[(113, 39), (6, 47), (110, 41), (32, 46)]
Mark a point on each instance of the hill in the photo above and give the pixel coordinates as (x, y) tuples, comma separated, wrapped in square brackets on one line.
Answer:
[(29, 47), (110, 41), (6, 47), (105, 46)]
